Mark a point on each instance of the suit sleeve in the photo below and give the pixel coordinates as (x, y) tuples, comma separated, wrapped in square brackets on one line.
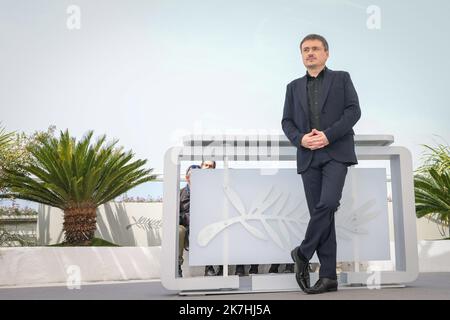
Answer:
[(287, 123), (184, 208), (351, 115)]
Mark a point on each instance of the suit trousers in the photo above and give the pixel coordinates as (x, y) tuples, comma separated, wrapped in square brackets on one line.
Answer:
[(181, 243), (323, 182)]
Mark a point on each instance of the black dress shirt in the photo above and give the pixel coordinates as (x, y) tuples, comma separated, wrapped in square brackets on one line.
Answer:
[(314, 90)]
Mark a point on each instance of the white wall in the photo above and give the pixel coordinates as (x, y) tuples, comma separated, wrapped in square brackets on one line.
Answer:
[(125, 224), (46, 265)]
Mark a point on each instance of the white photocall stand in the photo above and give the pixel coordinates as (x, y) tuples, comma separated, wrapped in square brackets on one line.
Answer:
[(256, 148)]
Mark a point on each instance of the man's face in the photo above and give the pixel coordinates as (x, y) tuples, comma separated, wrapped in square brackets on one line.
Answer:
[(208, 165), (314, 54)]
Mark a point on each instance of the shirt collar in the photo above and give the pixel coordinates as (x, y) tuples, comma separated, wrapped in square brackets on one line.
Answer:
[(320, 75)]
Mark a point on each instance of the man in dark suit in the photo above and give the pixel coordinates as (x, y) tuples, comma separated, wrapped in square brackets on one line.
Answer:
[(320, 111), (183, 227)]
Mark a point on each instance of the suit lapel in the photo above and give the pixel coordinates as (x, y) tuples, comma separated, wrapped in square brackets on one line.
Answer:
[(328, 77)]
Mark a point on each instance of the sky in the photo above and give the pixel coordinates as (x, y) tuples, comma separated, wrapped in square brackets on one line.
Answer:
[(146, 72)]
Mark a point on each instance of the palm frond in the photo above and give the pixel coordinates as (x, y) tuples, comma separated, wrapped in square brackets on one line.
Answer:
[(5, 138)]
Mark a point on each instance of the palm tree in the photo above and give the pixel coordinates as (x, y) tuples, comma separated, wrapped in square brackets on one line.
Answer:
[(76, 177), (432, 187)]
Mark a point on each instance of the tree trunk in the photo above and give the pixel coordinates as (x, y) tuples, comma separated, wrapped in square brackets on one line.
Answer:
[(80, 225)]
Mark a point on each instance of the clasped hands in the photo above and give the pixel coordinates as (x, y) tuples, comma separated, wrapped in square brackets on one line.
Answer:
[(314, 140)]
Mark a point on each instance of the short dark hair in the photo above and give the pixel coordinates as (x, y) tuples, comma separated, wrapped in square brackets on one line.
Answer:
[(194, 166), (313, 36)]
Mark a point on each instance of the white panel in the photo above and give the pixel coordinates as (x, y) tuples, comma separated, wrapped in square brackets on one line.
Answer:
[(267, 216)]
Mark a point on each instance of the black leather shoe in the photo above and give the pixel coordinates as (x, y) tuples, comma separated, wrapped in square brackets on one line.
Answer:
[(240, 270), (209, 271), (302, 273), (253, 269), (274, 268), (323, 285)]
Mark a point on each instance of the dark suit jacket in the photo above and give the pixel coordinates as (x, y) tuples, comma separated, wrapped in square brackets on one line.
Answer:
[(339, 112), (185, 203)]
